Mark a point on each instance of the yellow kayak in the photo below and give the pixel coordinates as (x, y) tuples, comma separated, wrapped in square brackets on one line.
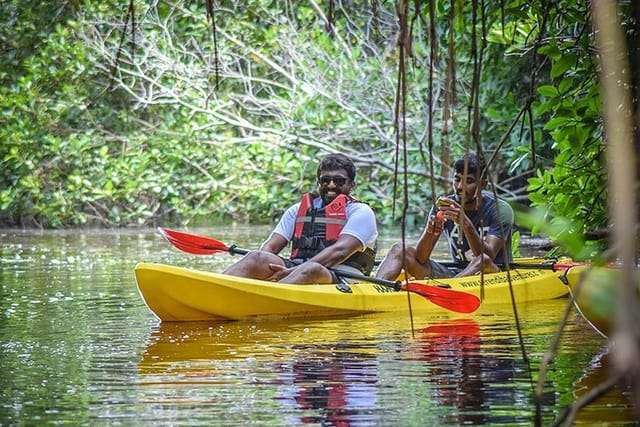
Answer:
[(181, 294)]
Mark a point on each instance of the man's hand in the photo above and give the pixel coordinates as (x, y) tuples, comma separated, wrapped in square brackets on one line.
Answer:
[(279, 272), (452, 211)]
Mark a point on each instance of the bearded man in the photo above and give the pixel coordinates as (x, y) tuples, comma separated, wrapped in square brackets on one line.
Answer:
[(328, 230)]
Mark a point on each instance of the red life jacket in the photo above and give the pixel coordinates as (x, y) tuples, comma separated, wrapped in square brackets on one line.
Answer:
[(318, 228)]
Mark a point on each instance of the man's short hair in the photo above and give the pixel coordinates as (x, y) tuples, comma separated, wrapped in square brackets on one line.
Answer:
[(475, 164), (337, 161)]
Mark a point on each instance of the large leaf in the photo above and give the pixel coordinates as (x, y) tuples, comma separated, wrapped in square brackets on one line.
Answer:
[(548, 90), (561, 65)]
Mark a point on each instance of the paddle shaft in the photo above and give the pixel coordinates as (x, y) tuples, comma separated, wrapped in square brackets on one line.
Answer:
[(551, 265), (396, 285), (389, 283), (233, 250)]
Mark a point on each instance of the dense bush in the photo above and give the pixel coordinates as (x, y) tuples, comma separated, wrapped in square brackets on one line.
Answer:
[(153, 140)]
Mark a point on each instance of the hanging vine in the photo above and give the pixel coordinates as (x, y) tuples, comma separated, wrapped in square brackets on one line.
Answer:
[(400, 129), (330, 18), (211, 16), (130, 16), (449, 92), (433, 45)]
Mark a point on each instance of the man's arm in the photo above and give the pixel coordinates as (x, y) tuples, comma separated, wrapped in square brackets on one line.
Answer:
[(428, 239), (500, 223), (472, 236), (343, 248), (454, 212), (274, 244), (492, 243), (335, 254), (280, 236)]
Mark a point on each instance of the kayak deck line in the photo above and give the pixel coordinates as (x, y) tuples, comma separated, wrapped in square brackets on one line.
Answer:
[(182, 294)]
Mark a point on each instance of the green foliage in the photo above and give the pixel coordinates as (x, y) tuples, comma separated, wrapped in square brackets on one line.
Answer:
[(63, 164), (574, 188), (569, 181), (515, 244), (155, 142), (568, 234)]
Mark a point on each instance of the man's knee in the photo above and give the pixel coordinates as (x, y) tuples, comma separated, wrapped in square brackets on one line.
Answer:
[(257, 261), (397, 250), (486, 259), (312, 269), (309, 272), (254, 265), (486, 263), (259, 257)]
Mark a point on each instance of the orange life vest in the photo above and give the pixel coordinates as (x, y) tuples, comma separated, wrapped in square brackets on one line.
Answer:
[(318, 228)]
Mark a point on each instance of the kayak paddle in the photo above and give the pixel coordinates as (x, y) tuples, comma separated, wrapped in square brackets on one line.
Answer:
[(197, 244), (202, 245), (457, 301)]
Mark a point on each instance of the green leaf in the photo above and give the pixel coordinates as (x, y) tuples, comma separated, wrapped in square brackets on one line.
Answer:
[(550, 50), (563, 64), (565, 84), (548, 90), (556, 122)]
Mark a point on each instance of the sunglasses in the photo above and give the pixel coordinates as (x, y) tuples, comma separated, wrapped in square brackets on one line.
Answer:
[(339, 181)]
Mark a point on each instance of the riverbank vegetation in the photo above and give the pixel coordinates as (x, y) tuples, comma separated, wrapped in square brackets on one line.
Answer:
[(127, 113)]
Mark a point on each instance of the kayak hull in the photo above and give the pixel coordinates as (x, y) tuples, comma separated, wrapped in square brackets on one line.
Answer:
[(181, 294), (597, 297)]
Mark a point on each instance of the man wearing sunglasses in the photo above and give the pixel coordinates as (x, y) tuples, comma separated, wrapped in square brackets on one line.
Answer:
[(326, 229)]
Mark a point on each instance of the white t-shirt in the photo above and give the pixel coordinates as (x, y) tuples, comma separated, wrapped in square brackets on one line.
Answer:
[(361, 223)]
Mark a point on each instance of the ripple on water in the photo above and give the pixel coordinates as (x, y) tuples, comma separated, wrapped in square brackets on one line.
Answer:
[(79, 346)]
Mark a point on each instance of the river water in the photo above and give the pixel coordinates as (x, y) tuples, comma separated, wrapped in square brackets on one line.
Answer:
[(79, 346)]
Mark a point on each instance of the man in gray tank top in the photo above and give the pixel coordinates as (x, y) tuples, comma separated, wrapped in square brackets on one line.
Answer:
[(476, 225)]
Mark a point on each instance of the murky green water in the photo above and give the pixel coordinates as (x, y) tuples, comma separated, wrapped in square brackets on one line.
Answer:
[(78, 345)]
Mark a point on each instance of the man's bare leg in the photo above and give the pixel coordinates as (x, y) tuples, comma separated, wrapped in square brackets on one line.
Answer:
[(309, 272), (254, 265), (483, 262), (392, 264)]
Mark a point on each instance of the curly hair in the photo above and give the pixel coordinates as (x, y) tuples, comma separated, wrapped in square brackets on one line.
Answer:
[(337, 161), (475, 164)]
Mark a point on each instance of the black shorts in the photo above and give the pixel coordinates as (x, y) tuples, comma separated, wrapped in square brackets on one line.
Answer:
[(289, 263), (440, 271)]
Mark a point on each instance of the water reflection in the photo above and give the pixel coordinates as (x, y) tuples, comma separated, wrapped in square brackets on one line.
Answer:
[(78, 345), (596, 372), (452, 349), (336, 390), (314, 372), (465, 376), (349, 371)]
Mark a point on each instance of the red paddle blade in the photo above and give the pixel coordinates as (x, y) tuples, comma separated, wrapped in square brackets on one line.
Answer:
[(457, 301), (193, 243), (566, 265)]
